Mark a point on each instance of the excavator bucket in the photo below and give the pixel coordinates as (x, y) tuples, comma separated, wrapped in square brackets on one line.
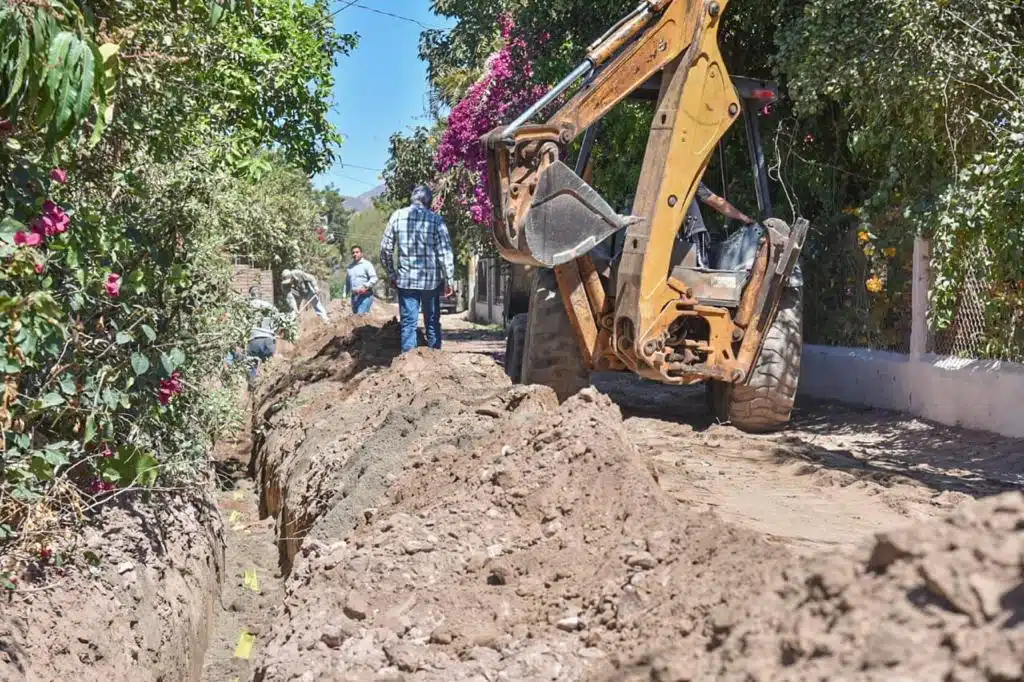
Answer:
[(567, 217), (558, 219)]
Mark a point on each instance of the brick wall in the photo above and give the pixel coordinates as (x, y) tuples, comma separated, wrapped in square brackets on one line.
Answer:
[(247, 276)]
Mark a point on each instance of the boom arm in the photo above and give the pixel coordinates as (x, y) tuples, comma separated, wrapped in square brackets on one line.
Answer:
[(545, 215)]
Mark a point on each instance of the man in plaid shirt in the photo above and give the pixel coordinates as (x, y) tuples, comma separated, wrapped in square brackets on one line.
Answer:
[(426, 264)]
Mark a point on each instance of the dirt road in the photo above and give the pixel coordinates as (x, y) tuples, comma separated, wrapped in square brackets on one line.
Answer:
[(836, 476)]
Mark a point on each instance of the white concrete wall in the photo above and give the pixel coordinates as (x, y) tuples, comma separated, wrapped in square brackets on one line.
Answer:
[(977, 394)]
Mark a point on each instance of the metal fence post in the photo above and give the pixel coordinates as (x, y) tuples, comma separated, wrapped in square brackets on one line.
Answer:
[(919, 298)]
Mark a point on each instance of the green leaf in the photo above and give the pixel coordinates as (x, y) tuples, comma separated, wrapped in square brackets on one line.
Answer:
[(111, 397), (51, 400), (123, 337), (67, 384), (167, 364), (148, 331), (177, 357), (90, 429), (68, 93), (19, 66), (8, 227), (56, 67), (216, 12), (55, 458), (140, 364), (88, 81)]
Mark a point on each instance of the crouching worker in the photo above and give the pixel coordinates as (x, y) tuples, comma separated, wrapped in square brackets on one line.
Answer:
[(302, 286), (262, 339)]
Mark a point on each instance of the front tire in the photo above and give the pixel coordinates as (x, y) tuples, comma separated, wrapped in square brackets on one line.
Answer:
[(551, 354), (765, 403), (515, 340)]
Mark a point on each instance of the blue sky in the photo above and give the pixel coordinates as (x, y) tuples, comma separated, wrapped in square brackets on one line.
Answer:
[(379, 89)]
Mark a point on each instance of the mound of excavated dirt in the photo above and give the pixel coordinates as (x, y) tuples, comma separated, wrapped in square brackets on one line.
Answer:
[(440, 524), (939, 601), (145, 614)]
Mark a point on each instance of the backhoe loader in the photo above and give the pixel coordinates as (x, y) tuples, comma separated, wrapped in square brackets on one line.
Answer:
[(595, 290)]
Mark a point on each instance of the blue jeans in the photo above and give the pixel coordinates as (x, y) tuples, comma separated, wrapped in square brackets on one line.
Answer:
[(361, 303), (410, 301)]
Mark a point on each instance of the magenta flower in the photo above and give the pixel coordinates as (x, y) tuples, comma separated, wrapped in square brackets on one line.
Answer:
[(53, 221), (98, 485), (22, 238), (40, 268), (106, 451), (113, 285), (59, 175), (169, 388), (504, 91)]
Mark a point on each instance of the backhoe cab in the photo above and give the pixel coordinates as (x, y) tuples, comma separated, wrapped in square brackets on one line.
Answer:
[(614, 292)]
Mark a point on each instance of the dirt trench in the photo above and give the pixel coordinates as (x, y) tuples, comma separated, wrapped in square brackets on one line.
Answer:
[(144, 611), (435, 523)]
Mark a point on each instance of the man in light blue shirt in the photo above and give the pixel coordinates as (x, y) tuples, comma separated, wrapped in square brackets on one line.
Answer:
[(359, 282)]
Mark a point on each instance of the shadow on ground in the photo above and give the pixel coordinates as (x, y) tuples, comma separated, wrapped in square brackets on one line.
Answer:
[(867, 442)]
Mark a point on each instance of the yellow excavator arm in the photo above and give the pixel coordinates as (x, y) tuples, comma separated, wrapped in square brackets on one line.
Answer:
[(546, 216)]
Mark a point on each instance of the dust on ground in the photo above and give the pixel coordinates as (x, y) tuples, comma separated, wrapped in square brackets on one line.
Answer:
[(436, 523)]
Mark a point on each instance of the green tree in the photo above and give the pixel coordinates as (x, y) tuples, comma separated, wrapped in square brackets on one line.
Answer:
[(338, 217), (130, 149)]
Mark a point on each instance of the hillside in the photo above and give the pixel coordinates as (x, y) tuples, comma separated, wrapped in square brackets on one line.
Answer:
[(364, 200)]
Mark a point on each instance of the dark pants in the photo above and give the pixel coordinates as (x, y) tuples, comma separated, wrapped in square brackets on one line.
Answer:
[(263, 349), (410, 302)]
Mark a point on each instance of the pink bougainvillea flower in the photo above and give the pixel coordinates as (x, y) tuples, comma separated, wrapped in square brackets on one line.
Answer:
[(767, 109), (22, 238), (113, 285), (169, 388), (505, 90), (59, 175), (40, 268), (106, 451), (98, 485), (808, 139)]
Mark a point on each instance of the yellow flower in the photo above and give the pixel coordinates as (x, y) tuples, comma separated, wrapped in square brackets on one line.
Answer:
[(863, 236), (890, 252), (874, 284), (869, 250)]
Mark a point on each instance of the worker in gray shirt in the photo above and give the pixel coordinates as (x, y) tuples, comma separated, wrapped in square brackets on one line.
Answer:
[(359, 282)]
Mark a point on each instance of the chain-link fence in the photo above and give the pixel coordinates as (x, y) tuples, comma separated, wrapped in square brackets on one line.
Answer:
[(857, 293), (988, 321)]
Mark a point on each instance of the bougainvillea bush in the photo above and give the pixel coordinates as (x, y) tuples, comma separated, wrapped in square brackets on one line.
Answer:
[(504, 90), (130, 161)]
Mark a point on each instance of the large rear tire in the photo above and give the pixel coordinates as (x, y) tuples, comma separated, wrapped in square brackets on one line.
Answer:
[(551, 354), (765, 403)]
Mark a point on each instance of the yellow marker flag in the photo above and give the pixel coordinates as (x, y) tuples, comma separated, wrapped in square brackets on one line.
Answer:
[(251, 580), (239, 495), (245, 642), (235, 517)]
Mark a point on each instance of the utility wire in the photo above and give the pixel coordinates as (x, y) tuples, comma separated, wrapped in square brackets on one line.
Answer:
[(394, 16), (343, 8), (349, 177), (365, 168)]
